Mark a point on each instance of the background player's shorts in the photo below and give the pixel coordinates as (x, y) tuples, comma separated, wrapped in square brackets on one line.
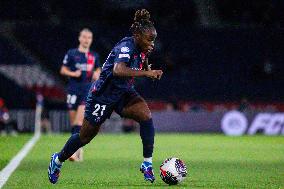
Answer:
[(100, 107), (77, 95), (74, 100)]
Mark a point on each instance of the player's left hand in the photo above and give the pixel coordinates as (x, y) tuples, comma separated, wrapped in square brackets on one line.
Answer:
[(154, 74)]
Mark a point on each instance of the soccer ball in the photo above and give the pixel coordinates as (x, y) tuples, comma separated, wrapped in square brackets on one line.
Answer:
[(173, 171)]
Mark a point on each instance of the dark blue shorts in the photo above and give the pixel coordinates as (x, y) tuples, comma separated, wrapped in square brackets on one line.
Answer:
[(77, 95), (74, 100), (99, 107)]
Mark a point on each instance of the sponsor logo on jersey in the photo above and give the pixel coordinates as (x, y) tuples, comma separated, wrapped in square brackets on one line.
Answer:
[(84, 67), (124, 56)]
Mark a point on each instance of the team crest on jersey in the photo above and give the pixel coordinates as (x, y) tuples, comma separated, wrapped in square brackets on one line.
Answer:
[(124, 49)]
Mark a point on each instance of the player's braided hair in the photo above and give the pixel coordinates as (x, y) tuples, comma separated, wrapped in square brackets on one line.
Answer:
[(141, 22)]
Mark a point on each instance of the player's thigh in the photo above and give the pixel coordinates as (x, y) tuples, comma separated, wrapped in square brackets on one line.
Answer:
[(137, 109), (88, 131), (72, 115), (79, 115)]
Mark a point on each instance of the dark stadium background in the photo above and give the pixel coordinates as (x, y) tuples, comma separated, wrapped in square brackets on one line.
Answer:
[(216, 55), (223, 64)]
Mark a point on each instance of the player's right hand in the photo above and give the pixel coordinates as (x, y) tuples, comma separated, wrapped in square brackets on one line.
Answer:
[(77, 73), (155, 74)]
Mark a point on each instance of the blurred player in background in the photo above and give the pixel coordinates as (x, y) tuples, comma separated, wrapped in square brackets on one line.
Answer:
[(114, 91), (7, 126), (81, 65)]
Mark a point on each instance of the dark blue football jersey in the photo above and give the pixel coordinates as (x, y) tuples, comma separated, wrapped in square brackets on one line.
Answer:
[(86, 62), (124, 51), (111, 93)]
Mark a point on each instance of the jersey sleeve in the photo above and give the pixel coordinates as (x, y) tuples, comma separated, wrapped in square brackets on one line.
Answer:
[(67, 60), (123, 53)]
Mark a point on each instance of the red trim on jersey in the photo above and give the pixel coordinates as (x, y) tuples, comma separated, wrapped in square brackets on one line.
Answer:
[(94, 89), (90, 64), (143, 57)]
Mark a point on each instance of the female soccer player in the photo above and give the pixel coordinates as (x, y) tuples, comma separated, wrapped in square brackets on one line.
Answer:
[(81, 65), (114, 91)]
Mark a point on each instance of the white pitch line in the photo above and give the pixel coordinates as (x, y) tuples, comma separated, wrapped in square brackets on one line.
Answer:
[(15, 162)]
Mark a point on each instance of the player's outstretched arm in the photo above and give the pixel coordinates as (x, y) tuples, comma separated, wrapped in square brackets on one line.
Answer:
[(66, 72), (121, 70)]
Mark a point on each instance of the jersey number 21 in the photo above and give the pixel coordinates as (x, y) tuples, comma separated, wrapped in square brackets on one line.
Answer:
[(98, 108)]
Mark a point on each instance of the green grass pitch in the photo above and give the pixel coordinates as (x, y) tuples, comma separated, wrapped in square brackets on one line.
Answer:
[(112, 161), (9, 147)]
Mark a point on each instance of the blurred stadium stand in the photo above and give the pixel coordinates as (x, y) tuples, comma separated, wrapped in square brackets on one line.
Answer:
[(236, 55)]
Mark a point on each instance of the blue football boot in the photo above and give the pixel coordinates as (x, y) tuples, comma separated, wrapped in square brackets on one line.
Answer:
[(147, 169), (53, 169)]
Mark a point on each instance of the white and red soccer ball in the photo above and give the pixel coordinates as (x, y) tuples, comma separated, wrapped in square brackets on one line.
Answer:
[(173, 171)]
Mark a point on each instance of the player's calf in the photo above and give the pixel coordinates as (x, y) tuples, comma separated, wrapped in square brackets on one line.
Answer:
[(75, 129), (147, 133)]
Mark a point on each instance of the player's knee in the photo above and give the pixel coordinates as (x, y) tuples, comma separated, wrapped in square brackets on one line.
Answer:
[(146, 116)]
